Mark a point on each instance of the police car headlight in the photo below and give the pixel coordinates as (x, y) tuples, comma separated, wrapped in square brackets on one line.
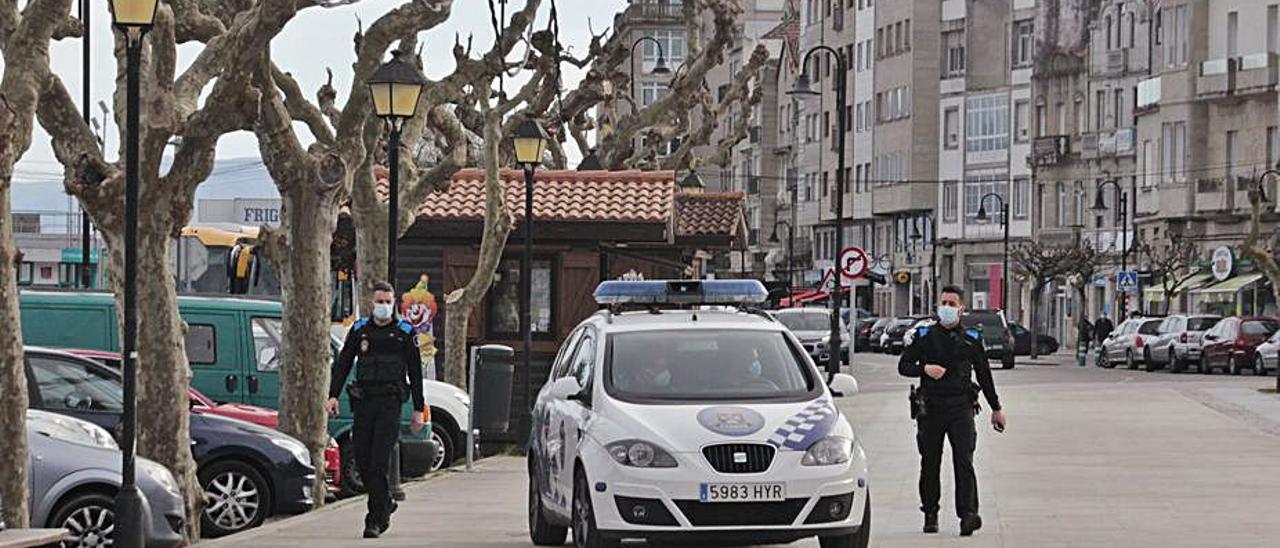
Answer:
[(829, 451), (159, 474), (294, 447), (640, 454)]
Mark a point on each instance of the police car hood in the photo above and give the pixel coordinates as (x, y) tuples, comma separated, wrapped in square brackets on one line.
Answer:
[(688, 427)]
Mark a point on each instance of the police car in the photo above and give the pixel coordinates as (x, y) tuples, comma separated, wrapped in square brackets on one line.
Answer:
[(690, 421)]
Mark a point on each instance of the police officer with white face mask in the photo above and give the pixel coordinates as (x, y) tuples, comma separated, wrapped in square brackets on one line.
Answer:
[(388, 371), (944, 356)]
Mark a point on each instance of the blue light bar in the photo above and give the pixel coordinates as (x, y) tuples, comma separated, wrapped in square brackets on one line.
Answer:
[(681, 292)]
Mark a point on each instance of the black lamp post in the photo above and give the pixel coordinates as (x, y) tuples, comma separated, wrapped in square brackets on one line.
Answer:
[(659, 68), (134, 18), (1100, 205), (530, 144), (803, 87), (86, 227), (1004, 222), (395, 88), (791, 243)]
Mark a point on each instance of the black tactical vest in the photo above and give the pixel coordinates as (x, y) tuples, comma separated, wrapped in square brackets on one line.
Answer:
[(380, 353)]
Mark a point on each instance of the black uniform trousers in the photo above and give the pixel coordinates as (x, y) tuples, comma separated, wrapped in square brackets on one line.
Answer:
[(374, 435), (956, 423)]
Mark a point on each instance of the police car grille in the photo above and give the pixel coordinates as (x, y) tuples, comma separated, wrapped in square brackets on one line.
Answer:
[(720, 514), (728, 458)]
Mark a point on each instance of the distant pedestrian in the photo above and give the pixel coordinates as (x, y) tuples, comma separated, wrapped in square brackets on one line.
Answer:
[(1102, 329), (1085, 335)]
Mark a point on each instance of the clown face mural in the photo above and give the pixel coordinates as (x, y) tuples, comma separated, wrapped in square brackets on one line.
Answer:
[(418, 307)]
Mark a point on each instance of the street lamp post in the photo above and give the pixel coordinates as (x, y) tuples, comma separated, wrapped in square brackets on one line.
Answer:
[(1004, 222), (791, 242), (659, 68), (530, 144), (1100, 205), (933, 255), (803, 87), (395, 87), (134, 18)]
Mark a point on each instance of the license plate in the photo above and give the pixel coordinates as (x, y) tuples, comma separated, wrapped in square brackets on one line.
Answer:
[(742, 492)]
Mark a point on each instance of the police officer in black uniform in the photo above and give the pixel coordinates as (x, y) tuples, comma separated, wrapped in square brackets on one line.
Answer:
[(943, 355), (388, 371)]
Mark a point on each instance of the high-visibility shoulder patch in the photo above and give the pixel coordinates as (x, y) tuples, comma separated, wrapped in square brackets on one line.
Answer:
[(405, 326), (974, 334), (359, 323)]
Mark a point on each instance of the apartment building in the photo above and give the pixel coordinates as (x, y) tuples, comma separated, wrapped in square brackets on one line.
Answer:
[(655, 30)]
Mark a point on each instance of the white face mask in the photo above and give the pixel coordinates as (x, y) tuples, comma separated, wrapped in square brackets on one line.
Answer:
[(948, 315), (383, 311)]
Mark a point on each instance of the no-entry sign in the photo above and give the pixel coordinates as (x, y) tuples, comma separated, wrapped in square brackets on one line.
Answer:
[(853, 262)]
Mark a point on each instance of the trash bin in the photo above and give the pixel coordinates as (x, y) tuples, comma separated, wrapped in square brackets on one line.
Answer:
[(495, 368)]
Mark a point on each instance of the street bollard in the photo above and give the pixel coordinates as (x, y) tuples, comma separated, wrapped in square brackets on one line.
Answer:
[(1082, 354)]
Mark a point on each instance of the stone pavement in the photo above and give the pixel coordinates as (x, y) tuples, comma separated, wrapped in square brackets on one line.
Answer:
[(1092, 458)]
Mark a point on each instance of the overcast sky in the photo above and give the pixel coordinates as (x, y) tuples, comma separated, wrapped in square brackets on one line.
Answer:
[(316, 39)]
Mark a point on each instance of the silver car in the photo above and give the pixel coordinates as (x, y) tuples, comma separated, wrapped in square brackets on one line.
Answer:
[(813, 327), (1126, 344), (75, 472), (1177, 342), (1267, 355)]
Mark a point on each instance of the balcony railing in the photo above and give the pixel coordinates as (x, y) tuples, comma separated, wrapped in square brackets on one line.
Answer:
[(1259, 72), (1149, 92), (1217, 77), (1047, 151), (1117, 61), (653, 12)]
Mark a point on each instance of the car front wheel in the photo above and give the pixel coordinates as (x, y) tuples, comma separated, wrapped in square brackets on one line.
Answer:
[(443, 439), (861, 539), (1232, 366), (585, 534), (236, 497), (89, 519), (1259, 366)]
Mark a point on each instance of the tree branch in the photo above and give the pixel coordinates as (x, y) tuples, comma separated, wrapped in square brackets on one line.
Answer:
[(299, 108)]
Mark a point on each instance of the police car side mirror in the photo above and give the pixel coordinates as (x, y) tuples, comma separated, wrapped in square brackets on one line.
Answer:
[(565, 388), (843, 385)]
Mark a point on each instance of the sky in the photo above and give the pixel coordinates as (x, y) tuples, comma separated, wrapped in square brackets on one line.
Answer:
[(316, 39)]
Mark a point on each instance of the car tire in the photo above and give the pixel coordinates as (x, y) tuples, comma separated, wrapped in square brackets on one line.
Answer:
[(228, 485), (1206, 366), (585, 534), (861, 539), (1176, 365), (1129, 361), (1232, 366), (89, 517), (1104, 361), (1259, 366), (1007, 361), (445, 453), (541, 531), (1148, 364), (351, 485)]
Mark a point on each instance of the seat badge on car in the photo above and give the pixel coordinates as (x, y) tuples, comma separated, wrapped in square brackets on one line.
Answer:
[(731, 421)]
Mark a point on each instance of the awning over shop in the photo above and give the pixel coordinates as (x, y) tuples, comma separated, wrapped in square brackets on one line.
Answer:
[(803, 298), (1155, 292), (1231, 285)]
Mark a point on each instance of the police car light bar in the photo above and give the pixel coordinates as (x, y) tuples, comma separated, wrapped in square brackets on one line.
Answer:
[(681, 292)]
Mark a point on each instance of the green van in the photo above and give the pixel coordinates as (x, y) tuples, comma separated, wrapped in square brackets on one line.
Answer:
[(233, 346)]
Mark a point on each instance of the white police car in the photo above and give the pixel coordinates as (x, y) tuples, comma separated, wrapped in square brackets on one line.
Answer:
[(692, 426)]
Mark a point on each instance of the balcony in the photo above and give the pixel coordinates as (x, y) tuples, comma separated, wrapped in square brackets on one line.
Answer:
[(1149, 93), (903, 197), (1217, 78), (1117, 61), (1108, 144), (1051, 150), (651, 12), (1258, 73)]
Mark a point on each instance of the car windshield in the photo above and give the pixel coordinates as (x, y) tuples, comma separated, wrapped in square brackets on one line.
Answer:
[(983, 321), (1200, 324), (706, 365), (1150, 327), (805, 321), (1259, 327)]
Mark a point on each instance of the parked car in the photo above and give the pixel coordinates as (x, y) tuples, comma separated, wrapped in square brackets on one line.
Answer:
[(876, 335), (862, 333), (1267, 356), (74, 473), (1128, 340), (248, 472), (261, 416), (994, 332), (893, 335), (1232, 343), (1022, 341), (232, 344), (1177, 342), (813, 327)]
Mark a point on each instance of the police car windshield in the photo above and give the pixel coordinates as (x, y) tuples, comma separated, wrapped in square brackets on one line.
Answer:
[(706, 365), (805, 321)]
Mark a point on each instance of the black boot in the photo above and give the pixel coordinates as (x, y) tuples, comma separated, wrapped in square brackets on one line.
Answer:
[(372, 530), (931, 522), (969, 524)]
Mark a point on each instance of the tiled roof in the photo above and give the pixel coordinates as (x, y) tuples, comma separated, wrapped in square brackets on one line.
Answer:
[(568, 196), (709, 214)]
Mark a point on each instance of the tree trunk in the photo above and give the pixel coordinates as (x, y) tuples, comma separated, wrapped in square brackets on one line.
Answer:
[(1036, 293), (13, 379), (371, 253), (309, 219)]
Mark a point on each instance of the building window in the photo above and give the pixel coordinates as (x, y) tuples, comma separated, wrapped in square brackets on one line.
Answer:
[(651, 92), (1042, 119), (953, 54), (951, 127), (950, 199), (1174, 22), (1021, 197), (26, 273), (504, 300), (1024, 43), (1273, 147), (1081, 197), (1082, 116), (672, 46), (1022, 120), (987, 123), (1174, 152), (978, 185), (1101, 106), (1119, 109)]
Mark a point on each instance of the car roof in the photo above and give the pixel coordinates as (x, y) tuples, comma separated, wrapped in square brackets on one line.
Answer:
[(249, 304), (803, 310), (684, 320)]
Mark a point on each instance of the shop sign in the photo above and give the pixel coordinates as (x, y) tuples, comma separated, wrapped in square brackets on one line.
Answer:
[(1223, 262)]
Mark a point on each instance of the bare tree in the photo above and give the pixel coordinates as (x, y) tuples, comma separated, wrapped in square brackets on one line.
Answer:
[(24, 41), (1263, 248), (234, 35), (1173, 262), (1042, 264)]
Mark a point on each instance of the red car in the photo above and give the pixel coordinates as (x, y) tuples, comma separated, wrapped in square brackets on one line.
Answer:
[(1231, 343), (260, 416)]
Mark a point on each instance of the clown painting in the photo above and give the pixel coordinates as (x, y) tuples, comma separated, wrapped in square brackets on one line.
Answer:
[(418, 307)]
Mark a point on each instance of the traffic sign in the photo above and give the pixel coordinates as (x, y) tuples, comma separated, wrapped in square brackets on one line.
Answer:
[(1127, 280), (853, 262)]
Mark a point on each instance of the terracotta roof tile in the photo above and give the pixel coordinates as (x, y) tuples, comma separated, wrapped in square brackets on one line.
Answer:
[(568, 196), (709, 214)]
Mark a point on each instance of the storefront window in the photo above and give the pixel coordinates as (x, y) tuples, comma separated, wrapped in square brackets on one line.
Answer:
[(504, 299)]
